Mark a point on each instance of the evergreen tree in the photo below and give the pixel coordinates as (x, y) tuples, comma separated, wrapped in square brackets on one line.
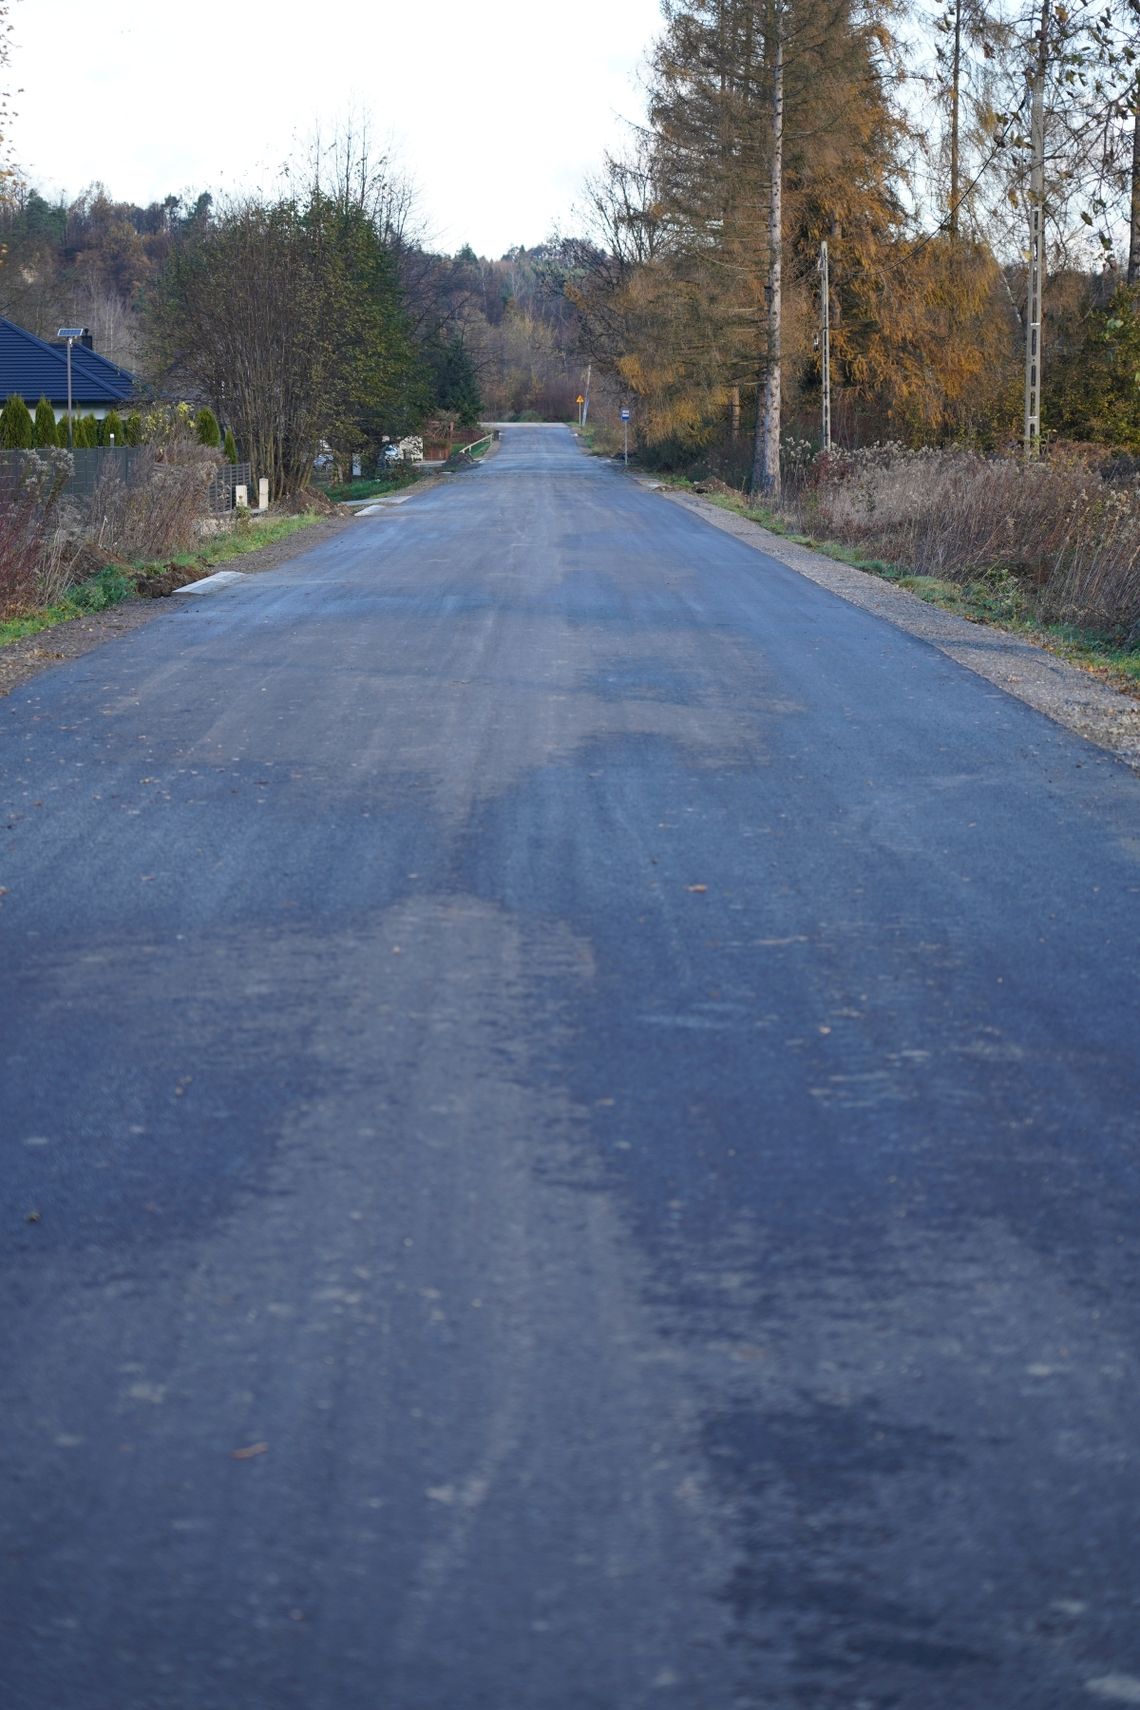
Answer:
[(45, 428), (111, 429), (17, 430), (86, 434), (455, 382), (229, 447), (133, 429), (207, 429)]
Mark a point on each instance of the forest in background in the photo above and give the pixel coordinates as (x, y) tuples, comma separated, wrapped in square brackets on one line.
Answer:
[(955, 160), (461, 336), (903, 142)]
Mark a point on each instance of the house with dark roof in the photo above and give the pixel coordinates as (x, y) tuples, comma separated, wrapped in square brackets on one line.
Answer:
[(34, 369)]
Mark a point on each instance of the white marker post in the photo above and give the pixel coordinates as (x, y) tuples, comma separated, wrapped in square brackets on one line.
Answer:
[(625, 431)]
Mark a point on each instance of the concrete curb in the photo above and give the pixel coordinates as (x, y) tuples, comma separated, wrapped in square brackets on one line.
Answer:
[(210, 584)]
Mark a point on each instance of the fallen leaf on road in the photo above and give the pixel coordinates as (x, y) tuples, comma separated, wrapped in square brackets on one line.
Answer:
[(248, 1454), (698, 887)]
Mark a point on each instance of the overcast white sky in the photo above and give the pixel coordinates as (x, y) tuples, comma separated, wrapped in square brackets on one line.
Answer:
[(497, 108)]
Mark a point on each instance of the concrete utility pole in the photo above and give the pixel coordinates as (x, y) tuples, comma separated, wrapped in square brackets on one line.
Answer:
[(1032, 428), (825, 346)]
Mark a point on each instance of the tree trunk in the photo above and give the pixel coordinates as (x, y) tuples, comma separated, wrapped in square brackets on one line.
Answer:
[(955, 102), (766, 450), (1134, 213)]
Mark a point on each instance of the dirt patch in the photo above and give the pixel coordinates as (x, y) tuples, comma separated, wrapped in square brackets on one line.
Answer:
[(20, 660)]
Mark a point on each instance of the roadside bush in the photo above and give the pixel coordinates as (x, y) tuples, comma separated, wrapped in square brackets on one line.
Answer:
[(155, 515), (1069, 539), (108, 588), (31, 485)]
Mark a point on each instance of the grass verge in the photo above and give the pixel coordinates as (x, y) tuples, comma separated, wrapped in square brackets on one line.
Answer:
[(374, 489), (995, 598), (116, 583)]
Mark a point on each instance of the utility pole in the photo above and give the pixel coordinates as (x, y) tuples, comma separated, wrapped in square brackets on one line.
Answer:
[(586, 401), (1032, 427), (825, 345)]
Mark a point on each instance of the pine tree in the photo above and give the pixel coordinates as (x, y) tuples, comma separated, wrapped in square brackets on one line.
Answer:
[(17, 430), (45, 427), (207, 429)]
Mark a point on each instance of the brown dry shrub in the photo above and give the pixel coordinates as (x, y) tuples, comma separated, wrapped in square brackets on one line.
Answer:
[(1071, 539), (31, 485), (157, 512)]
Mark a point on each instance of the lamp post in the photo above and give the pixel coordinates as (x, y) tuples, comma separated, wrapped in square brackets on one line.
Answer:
[(70, 334)]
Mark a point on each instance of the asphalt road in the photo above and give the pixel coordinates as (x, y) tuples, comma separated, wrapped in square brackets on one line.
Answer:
[(570, 1142)]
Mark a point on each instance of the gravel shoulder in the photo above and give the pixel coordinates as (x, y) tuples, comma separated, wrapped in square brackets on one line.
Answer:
[(1063, 692), (21, 660)]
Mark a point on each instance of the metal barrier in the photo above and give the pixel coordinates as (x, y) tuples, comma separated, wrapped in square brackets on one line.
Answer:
[(226, 481)]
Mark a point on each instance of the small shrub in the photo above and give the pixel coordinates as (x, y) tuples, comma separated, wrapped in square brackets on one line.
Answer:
[(229, 448), (109, 588), (111, 429), (207, 429)]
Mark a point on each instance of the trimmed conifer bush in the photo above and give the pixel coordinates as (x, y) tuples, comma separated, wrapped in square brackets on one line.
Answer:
[(207, 429), (17, 431), (229, 447), (133, 429), (45, 428), (111, 429)]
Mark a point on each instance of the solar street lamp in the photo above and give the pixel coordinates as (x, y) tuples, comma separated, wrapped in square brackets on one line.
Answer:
[(70, 334)]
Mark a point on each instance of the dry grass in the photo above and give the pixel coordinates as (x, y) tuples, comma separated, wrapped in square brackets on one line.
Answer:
[(1070, 539), (158, 515), (30, 547)]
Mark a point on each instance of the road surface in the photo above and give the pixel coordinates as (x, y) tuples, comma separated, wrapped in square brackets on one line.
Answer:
[(570, 1142)]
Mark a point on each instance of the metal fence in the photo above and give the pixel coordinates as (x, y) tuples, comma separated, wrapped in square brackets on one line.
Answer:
[(133, 465), (222, 490)]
